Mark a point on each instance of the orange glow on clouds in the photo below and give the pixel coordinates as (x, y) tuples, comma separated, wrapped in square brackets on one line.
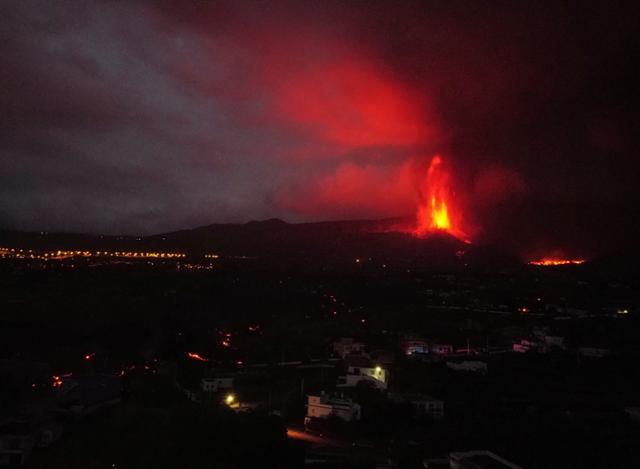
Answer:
[(354, 191), (340, 105), (352, 104)]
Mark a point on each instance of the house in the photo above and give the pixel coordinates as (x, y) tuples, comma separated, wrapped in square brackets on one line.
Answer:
[(361, 370), (479, 460), (422, 404), (413, 345), (217, 383), (325, 405), (475, 366), (347, 346), (526, 345), (17, 440), (441, 349), (84, 394)]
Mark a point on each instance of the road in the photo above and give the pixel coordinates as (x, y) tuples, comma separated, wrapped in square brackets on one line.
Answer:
[(301, 435)]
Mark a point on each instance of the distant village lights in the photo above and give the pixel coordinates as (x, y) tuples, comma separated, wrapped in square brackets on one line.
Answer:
[(64, 254)]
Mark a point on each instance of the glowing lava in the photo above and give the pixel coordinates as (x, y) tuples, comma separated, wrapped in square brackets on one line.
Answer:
[(439, 215), (195, 356), (555, 261), (435, 210)]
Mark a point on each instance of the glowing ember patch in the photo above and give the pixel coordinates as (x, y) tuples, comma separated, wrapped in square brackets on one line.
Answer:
[(57, 380), (554, 261), (195, 356), (435, 210)]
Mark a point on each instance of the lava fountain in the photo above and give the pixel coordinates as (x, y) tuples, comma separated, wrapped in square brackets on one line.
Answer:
[(436, 212)]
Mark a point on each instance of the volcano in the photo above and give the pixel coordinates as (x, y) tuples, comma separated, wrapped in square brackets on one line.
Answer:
[(276, 242)]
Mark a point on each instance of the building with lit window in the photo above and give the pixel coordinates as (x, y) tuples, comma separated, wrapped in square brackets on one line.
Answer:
[(325, 405), (216, 383), (374, 375)]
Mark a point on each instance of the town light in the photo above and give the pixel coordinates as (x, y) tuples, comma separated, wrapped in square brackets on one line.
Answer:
[(230, 399)]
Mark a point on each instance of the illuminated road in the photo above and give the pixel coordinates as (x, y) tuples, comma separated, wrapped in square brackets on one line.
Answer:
[(301, 435)]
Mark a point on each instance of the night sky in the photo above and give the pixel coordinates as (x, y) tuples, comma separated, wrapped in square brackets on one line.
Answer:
[(145, 117)]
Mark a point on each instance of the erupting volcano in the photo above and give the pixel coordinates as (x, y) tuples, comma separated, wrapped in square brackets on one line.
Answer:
[(435, 212)]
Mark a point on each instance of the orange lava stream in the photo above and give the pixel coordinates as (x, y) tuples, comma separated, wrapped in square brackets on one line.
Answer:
[(555, 261), (195, 356)]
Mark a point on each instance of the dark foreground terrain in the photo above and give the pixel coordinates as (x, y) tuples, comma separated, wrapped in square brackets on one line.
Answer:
[(103, 363)]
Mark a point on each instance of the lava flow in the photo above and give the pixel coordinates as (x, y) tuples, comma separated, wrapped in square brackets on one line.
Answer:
[(435, 209), (556, 261), (195, 356)]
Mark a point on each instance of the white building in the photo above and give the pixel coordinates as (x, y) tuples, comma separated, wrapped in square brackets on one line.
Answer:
[(415, 345), (441, 349), (377, 376), (217, 383), (325, 405)]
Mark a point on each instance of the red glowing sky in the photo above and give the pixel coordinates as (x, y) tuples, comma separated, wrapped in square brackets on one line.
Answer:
[(153, 116)]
